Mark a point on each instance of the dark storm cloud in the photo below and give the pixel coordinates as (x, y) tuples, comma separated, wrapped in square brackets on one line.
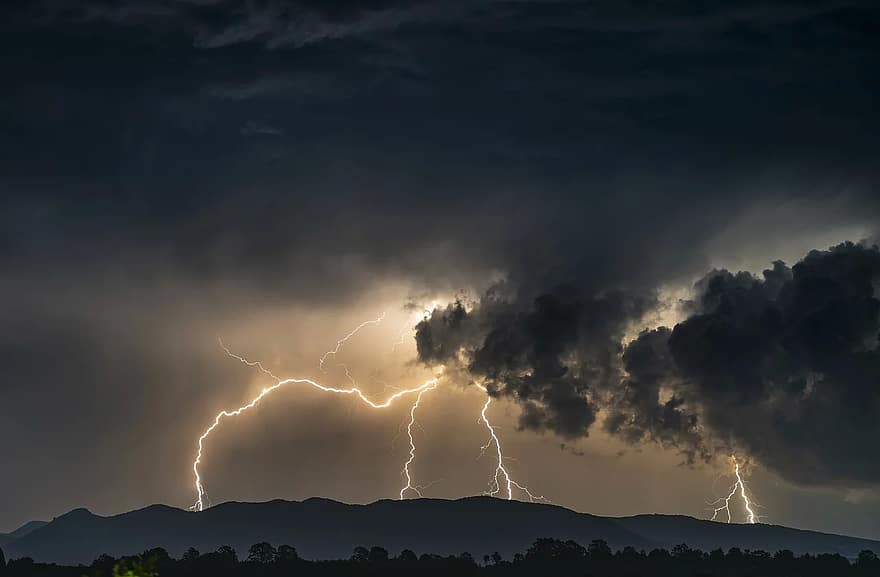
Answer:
[(272, 23), (784, 367), (787, 366), (554, 355), (636, 409), (600, 146)]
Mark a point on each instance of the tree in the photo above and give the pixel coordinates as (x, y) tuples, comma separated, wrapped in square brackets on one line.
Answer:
[(263, 553), (2, 561), (287, 554), (598, 550), (228, 554), (868, 563), (378, 555), (104, 563), (407, 556), (360, 555), (21, 566), (190, 555), (136, 567), (865, 558)]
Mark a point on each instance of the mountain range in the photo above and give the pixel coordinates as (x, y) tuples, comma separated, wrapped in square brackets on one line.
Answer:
[(326, 529)]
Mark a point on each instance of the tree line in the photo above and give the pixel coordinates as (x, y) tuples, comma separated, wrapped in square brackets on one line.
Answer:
[(546, 557)]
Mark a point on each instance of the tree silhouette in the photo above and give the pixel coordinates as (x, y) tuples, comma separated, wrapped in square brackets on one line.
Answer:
[(136, 567), (228, 554), (2, 562), (104, 563), (360, 555), (545, 557), (598, 549), (263, 553), (287, 554), (378, 555)]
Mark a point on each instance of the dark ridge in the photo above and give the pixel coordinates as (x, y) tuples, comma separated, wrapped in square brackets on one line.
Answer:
[(325, 529)]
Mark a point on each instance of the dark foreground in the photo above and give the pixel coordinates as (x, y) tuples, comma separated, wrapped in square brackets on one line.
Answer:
[(546, 557)]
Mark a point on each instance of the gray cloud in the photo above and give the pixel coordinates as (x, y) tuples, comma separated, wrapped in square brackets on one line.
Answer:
[(784, 368), (787, 366), (252, 127), (608, 148), (554, 355)]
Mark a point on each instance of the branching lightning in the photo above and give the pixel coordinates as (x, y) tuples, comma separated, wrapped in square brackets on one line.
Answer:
[(723, 504), (501, 484), (199, 505), (405, 473), (405, 330), (341, 342), (501, 475)]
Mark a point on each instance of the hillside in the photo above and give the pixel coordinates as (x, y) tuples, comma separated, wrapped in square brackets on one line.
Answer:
[(322, 528)]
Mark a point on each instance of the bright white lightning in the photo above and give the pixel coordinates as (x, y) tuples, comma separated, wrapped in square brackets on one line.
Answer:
[(738, 486), (200, 501), (341, 342), (405, 473), (501, 481), (401, 339), (501, 476)]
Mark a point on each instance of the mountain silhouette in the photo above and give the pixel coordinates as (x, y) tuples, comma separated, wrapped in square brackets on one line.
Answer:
[(21, 531), (326, 529)]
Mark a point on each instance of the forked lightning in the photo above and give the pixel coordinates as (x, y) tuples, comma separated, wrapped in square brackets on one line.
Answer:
[(501, 483), (738, 487)]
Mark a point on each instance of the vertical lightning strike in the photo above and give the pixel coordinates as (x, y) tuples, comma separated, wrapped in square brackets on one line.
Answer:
[(341, 342), (501, 482), (412, 445), (739, 486), (200, 490), (501, 473), (401, 338), (742, 492)]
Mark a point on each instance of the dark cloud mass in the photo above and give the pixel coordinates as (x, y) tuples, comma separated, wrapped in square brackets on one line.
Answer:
[(551, 355), (784, 368), (268, 171), (787, 366)]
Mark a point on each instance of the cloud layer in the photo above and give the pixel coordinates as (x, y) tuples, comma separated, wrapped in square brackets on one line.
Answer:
[(783, 368), (176, 170)]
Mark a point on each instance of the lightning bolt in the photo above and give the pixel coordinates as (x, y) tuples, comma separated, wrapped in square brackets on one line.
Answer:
[(412, 445), (199, 486), (401, 339), (500, 484), (341, 342), (738, 486), (501, 476)]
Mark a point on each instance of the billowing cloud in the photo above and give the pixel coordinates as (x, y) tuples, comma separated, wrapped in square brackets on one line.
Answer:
[(784, 367), (787, 367), (553, 355), (589, 153)]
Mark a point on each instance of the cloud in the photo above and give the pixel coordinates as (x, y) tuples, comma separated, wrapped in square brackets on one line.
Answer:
[(588, 153), (276, 23), (554, 355), (251, 128), (784, 368), (299, 24)]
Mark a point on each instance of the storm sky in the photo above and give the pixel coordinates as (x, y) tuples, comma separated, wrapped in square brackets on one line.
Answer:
[(647, 228)]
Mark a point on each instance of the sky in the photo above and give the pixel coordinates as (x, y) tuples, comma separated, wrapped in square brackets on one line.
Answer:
[(646, 229)]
